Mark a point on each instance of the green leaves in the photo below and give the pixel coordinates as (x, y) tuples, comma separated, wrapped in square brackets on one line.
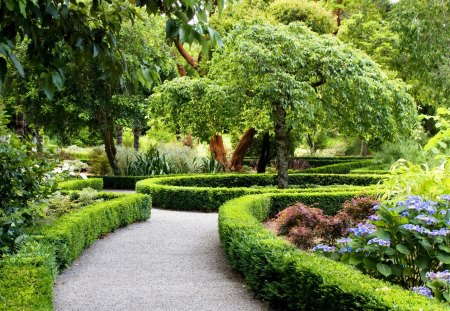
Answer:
[(384, 269)]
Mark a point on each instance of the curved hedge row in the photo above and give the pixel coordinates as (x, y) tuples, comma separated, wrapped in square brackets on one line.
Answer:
[(291, 279), (26, 278), (80, 184), (208, 192), (340, 168)]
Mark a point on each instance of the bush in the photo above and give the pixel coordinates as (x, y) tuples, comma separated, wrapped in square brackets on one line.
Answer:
[(340, 168), (291, 279), (24, 180), (80, 184), (26, 279), (208, 192)]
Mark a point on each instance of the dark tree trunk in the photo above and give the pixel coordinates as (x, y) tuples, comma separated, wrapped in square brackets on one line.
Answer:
[(136, 135), (338, 12), (20, 125), (282, 145), (311, 143), (364, 148), (119, 135), (217, 149), (264, 156), (241, 148), (106, 123)]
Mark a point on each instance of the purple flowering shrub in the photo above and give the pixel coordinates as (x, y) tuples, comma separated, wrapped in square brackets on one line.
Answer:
[(405, 242), (305, 226)]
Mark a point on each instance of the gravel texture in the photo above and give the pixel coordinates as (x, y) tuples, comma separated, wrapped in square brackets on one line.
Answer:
[(171, 262)]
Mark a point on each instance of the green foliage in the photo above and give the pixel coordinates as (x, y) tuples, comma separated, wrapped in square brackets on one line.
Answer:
[(340, 168), (120, 182), (24, 180), (392, 151), (26, 279), (145, 164), (311, 13), (208, 192), (80, 184), (292, 279), (98, 162)]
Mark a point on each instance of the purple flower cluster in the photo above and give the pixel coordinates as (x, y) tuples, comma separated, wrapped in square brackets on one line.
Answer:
[(417, 228), (445, 197), (417, 203), (323, 247), (428, 219), (344, 240), (363, 229), (424, 291), (420, 229), (374, 217), (380, 242), (442, 275), (347, 249)]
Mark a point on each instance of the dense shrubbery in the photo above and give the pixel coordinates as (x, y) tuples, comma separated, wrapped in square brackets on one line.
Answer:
[(24, 180), (80, 184), (26, 278), (292, 279)]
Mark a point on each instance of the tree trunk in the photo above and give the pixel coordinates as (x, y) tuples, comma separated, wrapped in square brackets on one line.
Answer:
[(20, 125), (136, 135), (364, 148), (281, 143), (106, 123), (241, 148), (264, 156), (119, 135), (217, 149), (311, 143)]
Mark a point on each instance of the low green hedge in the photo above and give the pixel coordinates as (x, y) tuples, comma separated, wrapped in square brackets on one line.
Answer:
[(370, 171), (340, 168), (291, 279), (316, 161), (26, 278), (121, 182), (207, 192), (80, 184)]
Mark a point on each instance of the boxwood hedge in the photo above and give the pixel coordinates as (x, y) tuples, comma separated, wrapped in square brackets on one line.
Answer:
[(340, 168), (291, 279), (26, 278), (80, 184), (208, 192)]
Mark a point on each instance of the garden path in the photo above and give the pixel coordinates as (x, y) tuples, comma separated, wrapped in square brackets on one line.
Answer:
[(171, 262)]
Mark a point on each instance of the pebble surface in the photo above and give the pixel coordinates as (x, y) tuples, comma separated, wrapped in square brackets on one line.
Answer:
[(173, 261)]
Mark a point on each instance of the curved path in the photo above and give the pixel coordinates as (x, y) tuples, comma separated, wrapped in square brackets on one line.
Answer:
[(171, 262)]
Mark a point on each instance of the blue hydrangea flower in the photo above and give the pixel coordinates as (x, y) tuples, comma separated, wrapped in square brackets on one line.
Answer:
[(363, 229), (411, 227), (380, 242), (376, 207), (442, 275), (323, 247), (404, 214), (424, 291), (428, 219), (344, 240), (374, 217), (440, 232), (445, 197), (346, 249)]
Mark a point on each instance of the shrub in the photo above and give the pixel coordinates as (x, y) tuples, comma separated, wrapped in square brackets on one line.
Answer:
[(98, 162), (80, 184), (340, 168), (26, 278), (292, 279), (24, 180)]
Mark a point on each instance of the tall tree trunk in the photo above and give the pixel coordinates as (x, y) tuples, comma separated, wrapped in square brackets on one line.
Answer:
[(241, 148), (20, 125), (338, 12), (217, 149), (311, 143), (264, 156), (364, 148), (136, 135), (119, 135), (106, 123), (282, 145)]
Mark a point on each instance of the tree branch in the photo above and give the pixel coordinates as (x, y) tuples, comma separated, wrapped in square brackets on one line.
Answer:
[(188, 57)]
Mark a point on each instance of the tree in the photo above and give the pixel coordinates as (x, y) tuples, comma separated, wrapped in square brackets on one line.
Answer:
[(299, 78)]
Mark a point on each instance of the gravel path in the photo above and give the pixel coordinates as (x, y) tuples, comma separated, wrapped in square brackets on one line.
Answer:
[(171, 262)]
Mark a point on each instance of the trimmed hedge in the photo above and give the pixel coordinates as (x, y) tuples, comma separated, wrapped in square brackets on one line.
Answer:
[(341, 168), (291, 279), (207, 192), (315, 161), (121, 182), (26, 278), (80, 184)]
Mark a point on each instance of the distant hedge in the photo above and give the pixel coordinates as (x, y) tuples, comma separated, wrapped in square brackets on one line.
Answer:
[(80, 184), (291, 279), (26, 278), (315, 161), (207, 192), (340, 168)]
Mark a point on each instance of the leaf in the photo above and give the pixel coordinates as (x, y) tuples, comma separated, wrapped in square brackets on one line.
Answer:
[(22, 7), (444, 248), (57, 79), (172, 29), (445, 259), (422, 262), (384, 269), (369, 263), (403, 249), (16, 63)]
